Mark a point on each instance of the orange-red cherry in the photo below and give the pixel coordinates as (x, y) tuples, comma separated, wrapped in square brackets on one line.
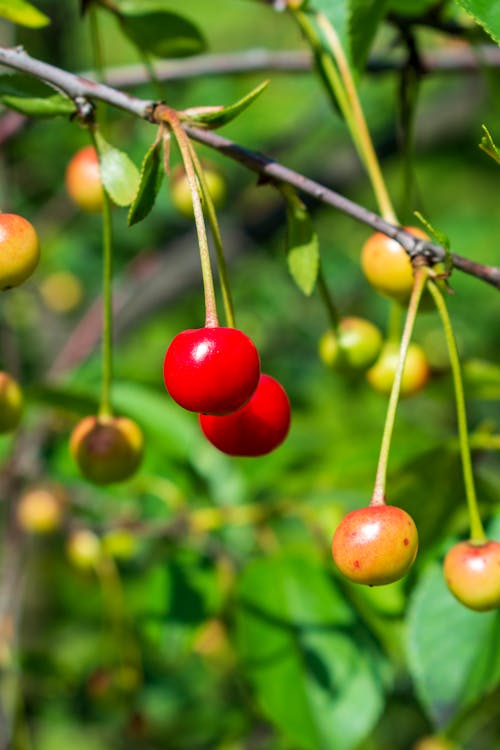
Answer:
[(387, 266), (19, 250), (83, 180), (257, 428), (107, 449), (472, 573), (375, 545), (211, 370)]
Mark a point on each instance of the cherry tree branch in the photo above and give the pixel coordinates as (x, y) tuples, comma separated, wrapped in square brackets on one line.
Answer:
[(82, 90)]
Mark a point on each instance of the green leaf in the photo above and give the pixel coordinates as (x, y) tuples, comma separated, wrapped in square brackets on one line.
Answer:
[(23, 13), (149, 185), (486, 13), (226, 114), (453, 652), (51, 106), (308, 660), (488, 145), (302, 242), (159, 32), (119, 174), (356, 23)]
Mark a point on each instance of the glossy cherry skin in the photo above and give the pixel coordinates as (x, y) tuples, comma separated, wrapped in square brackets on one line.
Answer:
[(11, 403), (257, 428), (387, 266), (355, 346), (19, 250), (375, 545), (416, 371), (472, 573), (83, 180), (211, 370), (107, 449)]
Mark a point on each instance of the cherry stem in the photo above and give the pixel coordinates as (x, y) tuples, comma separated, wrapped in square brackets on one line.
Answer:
[(96, 43), (477, 533), (340, 83), (105, 409), (169, 116), (420, 280), (227, 298)]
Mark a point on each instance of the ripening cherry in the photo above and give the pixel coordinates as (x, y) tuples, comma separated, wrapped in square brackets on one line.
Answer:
[(181, 192), (83, 180), (40, 508), (355, 346), (19, 250), (416, 371), (257, 428), (387, 266), (472, 573), (84, 549), (11, 403), (211, 370), (375, 545), (107, 449)]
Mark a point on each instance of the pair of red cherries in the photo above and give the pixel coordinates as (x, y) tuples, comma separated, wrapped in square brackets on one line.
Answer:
[(215, 371)]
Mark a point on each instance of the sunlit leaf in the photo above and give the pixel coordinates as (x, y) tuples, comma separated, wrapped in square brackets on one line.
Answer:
[(486, 13), (302, 243), (119, 174), (23, 13), (225, 114)]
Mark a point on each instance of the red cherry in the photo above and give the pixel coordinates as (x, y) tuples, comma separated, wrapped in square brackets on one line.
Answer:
[(212, 370), (472, 573), (255, 429), (375, 545)]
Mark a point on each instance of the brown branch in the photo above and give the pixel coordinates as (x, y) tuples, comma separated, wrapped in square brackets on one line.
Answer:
[(79, 88)]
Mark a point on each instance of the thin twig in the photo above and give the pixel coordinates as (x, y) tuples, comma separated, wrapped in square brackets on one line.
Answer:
[(77, 87)]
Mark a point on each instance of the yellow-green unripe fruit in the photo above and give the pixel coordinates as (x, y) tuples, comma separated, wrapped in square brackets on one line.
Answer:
[(354, 346), (416, 371), (19, 250), (181, 193)]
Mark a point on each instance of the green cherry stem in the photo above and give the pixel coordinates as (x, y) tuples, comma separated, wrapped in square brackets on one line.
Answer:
[(95, 41), (105, 409), (378, 497), (357, 121), (227, 298), (169, 116), (477, 533)]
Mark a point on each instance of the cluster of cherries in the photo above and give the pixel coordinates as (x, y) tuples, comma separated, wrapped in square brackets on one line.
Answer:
[(215, 372)]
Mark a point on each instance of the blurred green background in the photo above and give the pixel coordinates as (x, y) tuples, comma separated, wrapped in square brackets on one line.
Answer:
[(214, 618)]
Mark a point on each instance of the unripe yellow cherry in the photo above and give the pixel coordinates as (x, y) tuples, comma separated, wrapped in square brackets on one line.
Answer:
[(83, 180), (387, 266), (181, 193), (416, 371), (19, 250), (40, 508)]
